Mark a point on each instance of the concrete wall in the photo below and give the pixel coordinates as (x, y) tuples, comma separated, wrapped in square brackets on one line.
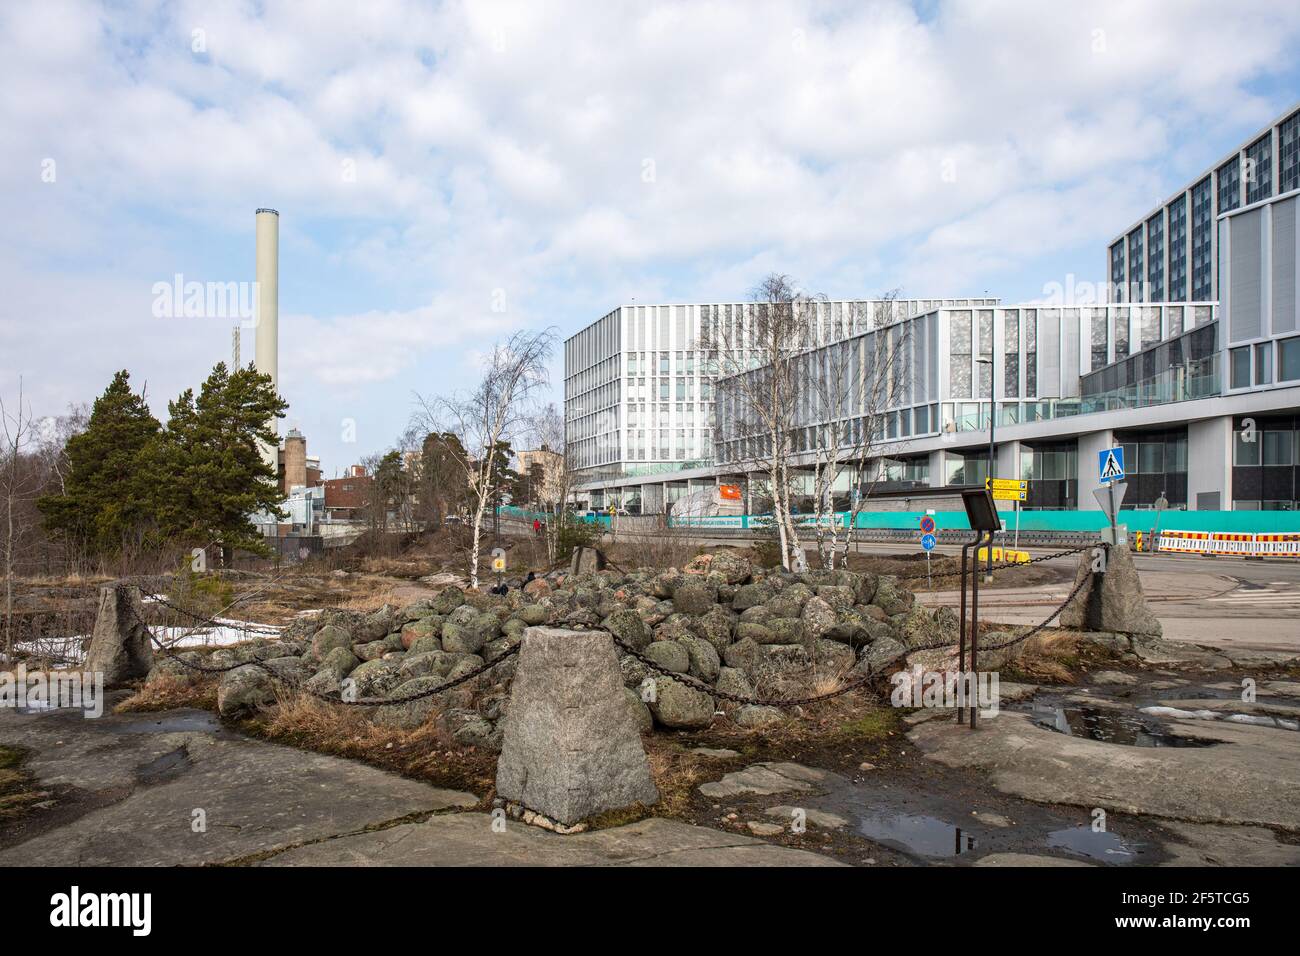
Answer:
[(1209, 463)]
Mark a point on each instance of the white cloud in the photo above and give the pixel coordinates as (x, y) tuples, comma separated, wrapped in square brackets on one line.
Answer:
[(509, 146)]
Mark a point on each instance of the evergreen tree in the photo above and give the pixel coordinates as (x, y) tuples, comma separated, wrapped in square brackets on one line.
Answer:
[(108, 507), (217, 477)]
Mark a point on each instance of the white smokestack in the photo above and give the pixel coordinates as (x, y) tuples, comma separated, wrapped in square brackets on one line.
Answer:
[(268, 294), (267, 351)]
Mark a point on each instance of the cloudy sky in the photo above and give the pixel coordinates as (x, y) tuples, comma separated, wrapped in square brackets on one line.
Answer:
[(447, 173)]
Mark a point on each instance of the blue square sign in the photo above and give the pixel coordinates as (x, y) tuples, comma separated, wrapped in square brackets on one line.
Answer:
[(1110, 465)]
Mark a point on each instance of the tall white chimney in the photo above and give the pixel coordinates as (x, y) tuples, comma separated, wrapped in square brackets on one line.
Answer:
[(268, 294), (267, 352)]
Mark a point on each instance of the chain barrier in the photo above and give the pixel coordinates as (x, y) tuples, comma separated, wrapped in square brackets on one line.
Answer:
[(330, 698), (870, 673), (867, 676)]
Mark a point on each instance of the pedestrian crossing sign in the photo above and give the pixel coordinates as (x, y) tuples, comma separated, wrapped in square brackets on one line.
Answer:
[(1110, 464)]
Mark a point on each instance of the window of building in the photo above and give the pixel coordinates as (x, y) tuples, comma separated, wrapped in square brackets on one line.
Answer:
[(1264, 363), (1239, 361), (1289, 154), (1229, 185), (1289, 359), (1245, 452), (1258, 171), (1202, 232), (959, 354), (1277, 447), (1135, 258)]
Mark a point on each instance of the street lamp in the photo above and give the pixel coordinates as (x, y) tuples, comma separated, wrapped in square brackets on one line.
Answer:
[(993, 419)]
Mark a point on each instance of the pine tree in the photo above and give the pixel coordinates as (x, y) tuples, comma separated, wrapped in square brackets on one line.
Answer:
[(216, 475), (109, 504)]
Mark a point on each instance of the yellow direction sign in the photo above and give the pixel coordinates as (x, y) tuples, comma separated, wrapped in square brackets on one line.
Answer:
[(1009, 495), (1005, 484)]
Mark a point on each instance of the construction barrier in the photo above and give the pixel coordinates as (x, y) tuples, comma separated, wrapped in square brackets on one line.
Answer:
[(1223, 542), (1185, 542), (1277, 545), (1004, 556), (1238, 544)]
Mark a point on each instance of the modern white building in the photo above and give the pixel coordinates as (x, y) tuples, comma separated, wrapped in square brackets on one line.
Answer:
[(1194, 368), (638, 392), (1173, 253)]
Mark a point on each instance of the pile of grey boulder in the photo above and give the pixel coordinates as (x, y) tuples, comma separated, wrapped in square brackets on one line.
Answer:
[(735, 628)]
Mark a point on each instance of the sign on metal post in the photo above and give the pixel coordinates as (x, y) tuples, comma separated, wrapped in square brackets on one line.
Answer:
[(1111, 497), (928, 542), (1110, 464), (927, 526), (1007, 489)]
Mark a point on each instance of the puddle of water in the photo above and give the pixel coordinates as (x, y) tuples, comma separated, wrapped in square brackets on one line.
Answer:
[(1108, 726), (915, 833), (167, 767), (201, 722), (1103, 846)]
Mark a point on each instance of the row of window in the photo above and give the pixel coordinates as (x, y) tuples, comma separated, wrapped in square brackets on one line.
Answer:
[(1253, 364)]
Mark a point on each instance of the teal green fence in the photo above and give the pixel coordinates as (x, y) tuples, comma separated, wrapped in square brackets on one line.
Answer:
[(1242, 522)]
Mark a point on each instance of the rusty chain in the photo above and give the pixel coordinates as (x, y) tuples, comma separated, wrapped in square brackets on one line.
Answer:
[(330, 698), (869, 673)]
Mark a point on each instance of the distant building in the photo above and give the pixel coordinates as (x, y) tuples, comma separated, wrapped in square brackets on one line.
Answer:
[(550, 464), (346, 497)]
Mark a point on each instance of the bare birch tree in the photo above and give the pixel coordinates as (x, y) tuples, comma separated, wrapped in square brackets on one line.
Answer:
[(755, 355), (20, 480), (493, 411), (547, 431), (854, 383)]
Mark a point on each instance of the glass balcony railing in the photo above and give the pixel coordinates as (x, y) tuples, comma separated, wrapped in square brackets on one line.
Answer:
[(1177, 384)]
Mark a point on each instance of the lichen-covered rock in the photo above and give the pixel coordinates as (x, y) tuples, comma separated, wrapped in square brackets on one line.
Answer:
[(716, 627), (757, 715), (880, 654), (704, 662), (376, 678), (340, 662), (626, 625), (695, 598), (425, 644), (786, 630), (641, 716), (371, 651), (173, 667), (411, 713), (680, 707), (921, 627), (840, 598), (374, 626), (328, 638), (462, 638), (532, 614), (751, 595), (670, 655), (634, 671), (891, 597), (758, 633), (833, 656), (245, 690), (731, 568), (744, 655), (732, 680), (790, 600), (422, 627)]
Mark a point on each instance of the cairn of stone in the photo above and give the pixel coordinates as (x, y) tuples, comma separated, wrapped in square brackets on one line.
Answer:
[(571, 746), (120, 648)]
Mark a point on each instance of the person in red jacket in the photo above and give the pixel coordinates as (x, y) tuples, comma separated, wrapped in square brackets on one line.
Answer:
[(537, 526)]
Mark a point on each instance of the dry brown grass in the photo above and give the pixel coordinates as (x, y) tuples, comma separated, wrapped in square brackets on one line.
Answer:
[(371, 599), (424, 753), (17, 789), (676, 773), (1050, 656), (167, 692), (75, 579)]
